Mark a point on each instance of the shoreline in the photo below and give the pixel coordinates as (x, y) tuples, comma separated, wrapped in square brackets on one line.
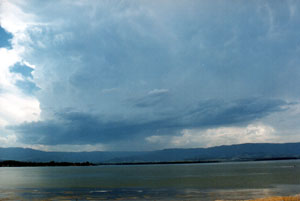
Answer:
[(135, 194), (200, 161), (13, 163), (272, 198)]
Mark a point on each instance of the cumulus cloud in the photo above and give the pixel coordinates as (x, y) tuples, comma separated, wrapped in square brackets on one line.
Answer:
[(135, 69), (16, 106), (7, 141)]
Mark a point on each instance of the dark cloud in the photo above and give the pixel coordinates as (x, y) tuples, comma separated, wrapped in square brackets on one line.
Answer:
[(133, 69), (83, 128), (156, 97)]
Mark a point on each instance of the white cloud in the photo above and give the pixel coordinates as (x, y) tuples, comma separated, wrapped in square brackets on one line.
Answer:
[(253, 133), (8, 58), (68, 148), (225, 136), (157, 139), (12, 17), (15, 106), (17, 22), (9, 140), (158, 91)]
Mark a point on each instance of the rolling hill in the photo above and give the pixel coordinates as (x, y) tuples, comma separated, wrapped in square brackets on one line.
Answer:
[(250, 151)]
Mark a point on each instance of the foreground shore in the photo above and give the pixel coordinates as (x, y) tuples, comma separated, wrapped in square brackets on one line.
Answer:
[(274, 198), (279, 198)]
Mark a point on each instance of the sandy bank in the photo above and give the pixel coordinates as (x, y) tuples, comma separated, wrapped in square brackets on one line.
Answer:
[(275, 198)]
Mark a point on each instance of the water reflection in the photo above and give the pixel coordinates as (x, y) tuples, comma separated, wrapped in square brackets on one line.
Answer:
[(181, 182)]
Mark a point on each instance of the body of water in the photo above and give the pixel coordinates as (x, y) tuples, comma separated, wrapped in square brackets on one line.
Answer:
[(227, 181)]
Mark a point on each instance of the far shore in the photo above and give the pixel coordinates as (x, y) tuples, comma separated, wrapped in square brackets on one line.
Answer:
[(199, 161), (13, 163)]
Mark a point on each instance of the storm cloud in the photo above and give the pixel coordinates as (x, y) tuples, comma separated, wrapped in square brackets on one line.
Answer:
[(117, 71), (83, 128)]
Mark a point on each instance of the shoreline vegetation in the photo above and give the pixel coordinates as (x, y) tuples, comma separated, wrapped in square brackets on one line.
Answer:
[(14, 163), (199, 161)]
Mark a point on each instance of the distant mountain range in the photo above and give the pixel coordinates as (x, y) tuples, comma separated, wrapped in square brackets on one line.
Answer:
[(251, 151)]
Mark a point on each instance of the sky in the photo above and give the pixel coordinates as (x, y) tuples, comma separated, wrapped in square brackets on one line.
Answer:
[(137, 75)]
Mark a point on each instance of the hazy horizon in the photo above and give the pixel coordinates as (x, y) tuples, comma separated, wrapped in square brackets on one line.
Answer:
[(54, 149)]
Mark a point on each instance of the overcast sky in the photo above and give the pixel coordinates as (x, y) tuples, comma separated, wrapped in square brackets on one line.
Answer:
[(82, 75)]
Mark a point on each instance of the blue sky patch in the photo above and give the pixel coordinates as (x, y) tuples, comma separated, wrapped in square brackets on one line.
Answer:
[(5, 38), (27, 86), (22, 69)]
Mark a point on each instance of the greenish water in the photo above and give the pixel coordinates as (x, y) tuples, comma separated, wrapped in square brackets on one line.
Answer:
[(147, 182)]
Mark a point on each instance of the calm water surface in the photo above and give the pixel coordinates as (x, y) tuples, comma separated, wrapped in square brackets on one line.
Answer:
[(232, 181)]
